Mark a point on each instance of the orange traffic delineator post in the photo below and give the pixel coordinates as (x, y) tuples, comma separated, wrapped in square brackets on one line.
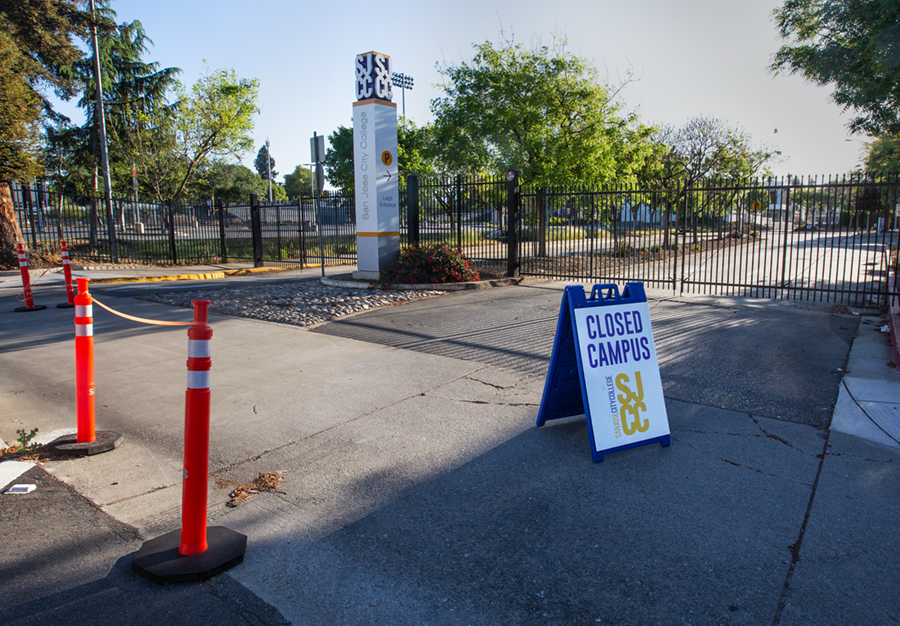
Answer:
[(195, 552), (26, 284), (67, 270), (86, 441)]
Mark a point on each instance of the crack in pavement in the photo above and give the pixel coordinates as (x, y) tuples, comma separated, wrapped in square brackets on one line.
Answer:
[(741, 465), (338, 425), (797, 545)]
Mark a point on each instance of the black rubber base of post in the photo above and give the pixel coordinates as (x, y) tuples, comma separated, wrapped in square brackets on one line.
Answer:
[(104, 441), (25, 309), (158, 559), (65, 306)]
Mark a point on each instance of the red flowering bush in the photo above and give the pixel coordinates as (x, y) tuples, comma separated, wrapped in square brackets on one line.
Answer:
[(429, 263)]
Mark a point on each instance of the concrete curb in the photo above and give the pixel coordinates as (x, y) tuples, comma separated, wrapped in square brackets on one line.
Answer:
[(203, 276), (483, 284), (148, 279)]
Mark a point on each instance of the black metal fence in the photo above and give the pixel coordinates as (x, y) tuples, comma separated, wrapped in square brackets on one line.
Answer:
[(827, 240), (468, 214), (299, 233)]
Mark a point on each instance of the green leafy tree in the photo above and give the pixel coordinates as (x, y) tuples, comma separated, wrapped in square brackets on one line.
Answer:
[(540, 110), (131, 87), (338, 159), (260, 164), (298, 183), (37, 51), (416, 153), (883, 155), (852, 45), (213, 120), (229, 182)]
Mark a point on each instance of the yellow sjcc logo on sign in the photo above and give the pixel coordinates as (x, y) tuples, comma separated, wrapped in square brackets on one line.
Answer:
[(632, 404)]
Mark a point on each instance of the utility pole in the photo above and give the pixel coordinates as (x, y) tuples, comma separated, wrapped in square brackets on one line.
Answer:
[(104, 154)]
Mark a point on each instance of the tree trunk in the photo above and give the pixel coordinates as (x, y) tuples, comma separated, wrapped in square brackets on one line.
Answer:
[(10, 234)]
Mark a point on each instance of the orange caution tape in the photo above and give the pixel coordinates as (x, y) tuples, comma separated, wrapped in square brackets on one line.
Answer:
[(141, 319)]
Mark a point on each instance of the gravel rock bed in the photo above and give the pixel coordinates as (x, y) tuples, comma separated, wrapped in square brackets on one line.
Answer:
[(301, 303)]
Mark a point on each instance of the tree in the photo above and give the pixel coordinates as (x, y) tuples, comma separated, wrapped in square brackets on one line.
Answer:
[(416, 153), (542, 111), (703, 149), (851, 44), (36, 54), (229, 182), (213, 120), (338, 159), (263, 168), (883, 155), (131, 87), (298, 183), (706, 147)]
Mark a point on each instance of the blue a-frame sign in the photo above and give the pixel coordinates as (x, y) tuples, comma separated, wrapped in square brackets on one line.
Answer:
[(604, 365)]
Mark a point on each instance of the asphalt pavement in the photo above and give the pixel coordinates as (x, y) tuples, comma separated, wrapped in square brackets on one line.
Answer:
[(417, 489)]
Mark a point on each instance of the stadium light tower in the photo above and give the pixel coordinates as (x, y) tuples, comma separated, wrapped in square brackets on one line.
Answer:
[(404, 82)]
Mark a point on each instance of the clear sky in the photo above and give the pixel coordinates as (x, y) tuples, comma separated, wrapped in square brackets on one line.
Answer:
[(692, 57)]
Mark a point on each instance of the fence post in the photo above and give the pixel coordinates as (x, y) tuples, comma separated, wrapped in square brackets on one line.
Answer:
[(513, 201), (94, 227), (459, 212), (29, 211), (111, 229), (300, 231), (278, 229), (256, 230), (542, 222), (223, 249), (412, 210), (787, 228), (170, 217)]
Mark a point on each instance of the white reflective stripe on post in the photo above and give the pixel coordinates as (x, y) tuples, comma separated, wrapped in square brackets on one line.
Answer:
[(84, 330), (199, 349), (23, 263), (198, 380), (84, 310), (22, 257)]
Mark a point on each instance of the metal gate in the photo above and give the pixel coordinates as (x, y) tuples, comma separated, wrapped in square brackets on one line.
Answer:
[(831, 241)]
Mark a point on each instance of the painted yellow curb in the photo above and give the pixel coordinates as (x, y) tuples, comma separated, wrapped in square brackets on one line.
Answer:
[(207, 276), (254, 270), (149, 279)]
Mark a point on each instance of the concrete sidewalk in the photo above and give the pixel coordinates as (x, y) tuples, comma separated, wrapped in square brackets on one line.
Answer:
[(418, 490)]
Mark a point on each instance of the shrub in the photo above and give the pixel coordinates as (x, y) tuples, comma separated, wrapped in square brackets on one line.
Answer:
[(429, 263)]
